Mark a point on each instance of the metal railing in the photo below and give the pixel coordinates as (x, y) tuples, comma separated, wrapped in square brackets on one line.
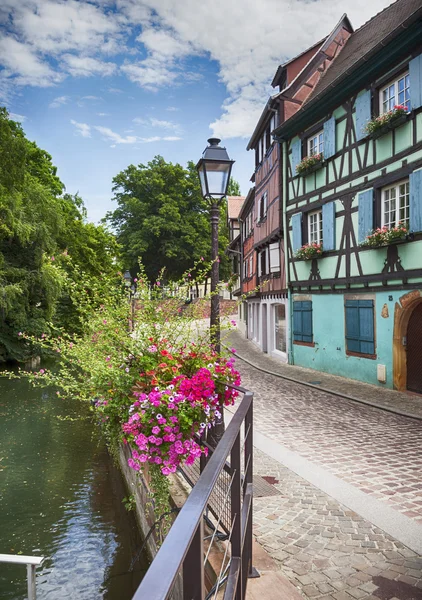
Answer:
[(179, 568), (31, 562)]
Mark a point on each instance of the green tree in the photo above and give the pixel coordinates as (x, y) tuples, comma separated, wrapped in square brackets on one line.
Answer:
[(163, 219), (38, 224)]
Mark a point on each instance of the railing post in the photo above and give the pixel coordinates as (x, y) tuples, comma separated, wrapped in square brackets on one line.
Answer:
[(247, 548), (193, 567), (32, 594), (236, 508)]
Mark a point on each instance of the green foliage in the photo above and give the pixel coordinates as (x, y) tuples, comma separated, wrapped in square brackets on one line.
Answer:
[(37, 225), (163, 219)]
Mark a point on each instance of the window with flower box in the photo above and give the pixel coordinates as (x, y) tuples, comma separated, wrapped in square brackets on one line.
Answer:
[(396, 93), (315, 227), (395, 205), (316, 143)]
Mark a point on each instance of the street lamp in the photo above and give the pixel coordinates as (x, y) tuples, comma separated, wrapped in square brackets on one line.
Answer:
[(127, 278), (214, 170)]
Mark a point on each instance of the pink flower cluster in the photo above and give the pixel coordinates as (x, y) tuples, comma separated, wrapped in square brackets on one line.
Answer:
[(163, 423)]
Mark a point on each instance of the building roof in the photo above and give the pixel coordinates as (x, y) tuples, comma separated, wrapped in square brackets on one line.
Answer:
[(234, 204), (282, 67), (366, 40)]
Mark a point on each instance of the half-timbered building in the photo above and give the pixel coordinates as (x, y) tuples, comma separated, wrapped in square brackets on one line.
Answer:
[(263, 231), (352, 188)]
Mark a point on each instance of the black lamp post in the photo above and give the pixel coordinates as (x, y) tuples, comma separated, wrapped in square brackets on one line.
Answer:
[(214, 170), (131, 291)]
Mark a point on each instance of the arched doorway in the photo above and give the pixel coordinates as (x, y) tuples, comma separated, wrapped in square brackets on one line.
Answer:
[(414, 350)]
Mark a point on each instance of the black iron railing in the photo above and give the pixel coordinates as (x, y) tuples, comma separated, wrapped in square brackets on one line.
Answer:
[(179, 569)]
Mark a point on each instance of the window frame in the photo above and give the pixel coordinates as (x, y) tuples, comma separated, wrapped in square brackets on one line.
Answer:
[(301, 309), (395, 185), (310, 214), (361, 304), (396, 101), (263, 206), (319, 137)]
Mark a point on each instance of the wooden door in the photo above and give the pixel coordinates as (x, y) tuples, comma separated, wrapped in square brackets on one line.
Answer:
[(414, 350)]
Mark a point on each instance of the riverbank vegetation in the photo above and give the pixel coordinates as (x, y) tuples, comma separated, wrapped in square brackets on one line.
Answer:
[(158, 388), (41, 227)]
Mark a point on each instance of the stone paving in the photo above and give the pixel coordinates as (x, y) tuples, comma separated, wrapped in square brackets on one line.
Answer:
[(378, 452), (406, 402), (327, 551)]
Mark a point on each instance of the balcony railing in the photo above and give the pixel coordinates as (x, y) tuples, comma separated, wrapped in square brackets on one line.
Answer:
[(220, 499), (31, 562)]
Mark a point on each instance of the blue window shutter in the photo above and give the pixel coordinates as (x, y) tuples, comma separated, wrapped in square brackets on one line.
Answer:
[(366, 326), (297, 322), (366, 214), (296, 156), (302, 321), (329, 137), (363, 113), (329, 226), (415, 73), (360, 326), (297, 231), (307, 321), (415, 199)]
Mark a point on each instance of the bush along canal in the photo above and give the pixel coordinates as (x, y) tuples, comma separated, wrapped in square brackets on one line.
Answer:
[(62, 497)]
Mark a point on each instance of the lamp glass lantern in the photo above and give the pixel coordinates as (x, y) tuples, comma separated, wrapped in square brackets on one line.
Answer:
[(127, 279), (214, 169)]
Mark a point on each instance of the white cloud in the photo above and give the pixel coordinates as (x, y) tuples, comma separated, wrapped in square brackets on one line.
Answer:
[(172, 108), (84, 66), (16, 117), (59, 101), (153, 122), (82, 129), (103, 114), (247, 39), (93, 98), (23, 66), (115, 91), (116, 138)]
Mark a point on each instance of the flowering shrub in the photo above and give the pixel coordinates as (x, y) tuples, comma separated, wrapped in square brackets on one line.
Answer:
[(163, 423), (386, 118), (156, 388), (308, 162), (309, 251), (384, 235)]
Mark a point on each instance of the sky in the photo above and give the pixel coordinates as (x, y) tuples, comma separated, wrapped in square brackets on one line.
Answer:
[(102, 84)]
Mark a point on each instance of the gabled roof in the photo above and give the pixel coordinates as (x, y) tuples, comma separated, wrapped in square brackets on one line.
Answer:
[(313, 63), (367, 44), (234, 204), (282, 67), (365, 40)]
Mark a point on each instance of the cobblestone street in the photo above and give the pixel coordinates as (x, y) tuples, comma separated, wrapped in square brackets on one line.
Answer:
[(325, 548)]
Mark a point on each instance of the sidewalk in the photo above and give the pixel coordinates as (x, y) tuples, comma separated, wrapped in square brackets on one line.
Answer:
[(402, 403)]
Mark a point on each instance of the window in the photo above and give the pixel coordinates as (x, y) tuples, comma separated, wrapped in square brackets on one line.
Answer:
[(274, 257), (302, 321), (396, 92), (263, 206), (360, 337), (280, 327), (262, 262), (395, 205), (250, 266), (316, 143), (315, 227)]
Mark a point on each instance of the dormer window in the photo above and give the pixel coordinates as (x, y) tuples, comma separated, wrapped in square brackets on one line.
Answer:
[(316, 143), (396, 93)]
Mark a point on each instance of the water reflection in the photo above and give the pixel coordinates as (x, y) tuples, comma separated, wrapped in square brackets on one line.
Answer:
[(60, 497)]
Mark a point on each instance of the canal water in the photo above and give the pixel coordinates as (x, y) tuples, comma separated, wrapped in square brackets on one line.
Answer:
[(61, 497)]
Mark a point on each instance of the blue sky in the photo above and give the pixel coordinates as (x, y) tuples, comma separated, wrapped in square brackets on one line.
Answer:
[(102, 84)]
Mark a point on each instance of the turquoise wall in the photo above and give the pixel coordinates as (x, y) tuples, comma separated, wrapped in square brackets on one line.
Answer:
[(329, 353)]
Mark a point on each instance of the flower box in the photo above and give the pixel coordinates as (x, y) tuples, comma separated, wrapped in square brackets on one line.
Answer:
[(309, 164), (387, 122), (384, 236), (309, 251)]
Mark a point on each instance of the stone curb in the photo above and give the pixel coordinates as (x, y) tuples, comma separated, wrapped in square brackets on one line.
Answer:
[(402, 413)]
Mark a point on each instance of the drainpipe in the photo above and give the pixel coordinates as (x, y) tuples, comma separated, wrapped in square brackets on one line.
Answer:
[(286, 261)]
